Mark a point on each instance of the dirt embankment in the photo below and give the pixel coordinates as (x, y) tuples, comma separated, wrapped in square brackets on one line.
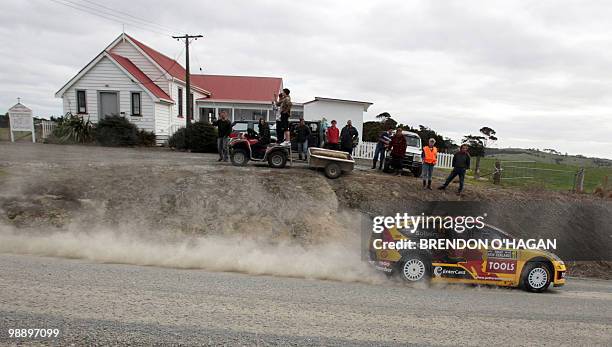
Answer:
[(170, 195)]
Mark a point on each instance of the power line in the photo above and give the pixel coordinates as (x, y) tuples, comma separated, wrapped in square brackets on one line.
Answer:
[(111, 17), (97, 11), (163, 27)]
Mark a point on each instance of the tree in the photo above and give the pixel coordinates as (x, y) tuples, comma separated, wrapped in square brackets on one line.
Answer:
[(477, 145)]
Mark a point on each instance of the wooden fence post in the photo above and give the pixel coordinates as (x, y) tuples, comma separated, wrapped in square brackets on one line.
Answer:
[(579, 181), (497, 174)]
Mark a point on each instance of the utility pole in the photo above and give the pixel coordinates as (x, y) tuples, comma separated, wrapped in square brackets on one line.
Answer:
[(186, 37)]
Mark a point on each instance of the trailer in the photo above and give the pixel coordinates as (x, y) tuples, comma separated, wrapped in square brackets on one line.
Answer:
[(332, 162)]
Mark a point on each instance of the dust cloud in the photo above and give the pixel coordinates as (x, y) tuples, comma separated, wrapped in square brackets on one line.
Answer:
[(336, 260)]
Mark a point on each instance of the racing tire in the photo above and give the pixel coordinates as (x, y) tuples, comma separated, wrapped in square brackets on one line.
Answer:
[(417, 171), (333, 171), (536, 277), (277, 160), (239, 157), (414, 268)]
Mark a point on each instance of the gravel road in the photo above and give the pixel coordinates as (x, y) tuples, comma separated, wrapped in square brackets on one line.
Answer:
[(102, 304)]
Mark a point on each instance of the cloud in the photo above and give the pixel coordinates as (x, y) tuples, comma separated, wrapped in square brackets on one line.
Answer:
[(534, 71)]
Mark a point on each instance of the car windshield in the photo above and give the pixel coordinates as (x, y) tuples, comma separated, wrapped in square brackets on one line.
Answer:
[(413, 141)]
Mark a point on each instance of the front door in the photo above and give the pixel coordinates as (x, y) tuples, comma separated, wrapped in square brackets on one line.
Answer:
[(109, 104)]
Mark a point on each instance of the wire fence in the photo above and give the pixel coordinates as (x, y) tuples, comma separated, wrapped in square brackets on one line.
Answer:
[(532, 173)]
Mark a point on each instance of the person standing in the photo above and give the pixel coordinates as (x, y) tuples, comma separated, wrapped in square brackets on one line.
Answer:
[(461, 163), (381, 146), (224, 129), (398, 150), (332, 135), (284, 102), (430, 158), (302, 134), (349, 137)]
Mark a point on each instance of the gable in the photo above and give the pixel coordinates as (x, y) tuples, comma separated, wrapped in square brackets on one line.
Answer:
[(157, 75)]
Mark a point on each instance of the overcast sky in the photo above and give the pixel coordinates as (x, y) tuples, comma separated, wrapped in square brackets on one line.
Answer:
[(538, 72)]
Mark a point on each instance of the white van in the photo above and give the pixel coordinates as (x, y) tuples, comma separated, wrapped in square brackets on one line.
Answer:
[(412, 159)]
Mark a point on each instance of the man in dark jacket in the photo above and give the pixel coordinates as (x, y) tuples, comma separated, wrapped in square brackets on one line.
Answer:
[(349, 137), (461, 163), (224, 129), (398, 150), (381, 146), (302, 134)]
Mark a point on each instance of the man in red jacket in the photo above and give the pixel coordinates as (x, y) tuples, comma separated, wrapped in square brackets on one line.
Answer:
[(398, 151), (333, 137)]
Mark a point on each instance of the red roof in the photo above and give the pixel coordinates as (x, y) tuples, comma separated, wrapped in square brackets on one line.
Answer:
[(143, 79), (170, 65), (244, 88)]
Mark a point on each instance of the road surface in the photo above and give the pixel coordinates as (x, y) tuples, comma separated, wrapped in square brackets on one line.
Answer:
[(92, 303)]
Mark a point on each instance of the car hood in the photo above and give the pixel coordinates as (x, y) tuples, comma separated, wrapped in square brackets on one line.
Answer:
[(413, 150)]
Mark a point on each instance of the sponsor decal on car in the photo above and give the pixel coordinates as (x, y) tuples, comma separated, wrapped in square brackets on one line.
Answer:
[(499, 253), (503, 266), (450, 272)]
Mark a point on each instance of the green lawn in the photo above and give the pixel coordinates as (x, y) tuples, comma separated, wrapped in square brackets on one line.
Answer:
[(545, 175), (5, 135)]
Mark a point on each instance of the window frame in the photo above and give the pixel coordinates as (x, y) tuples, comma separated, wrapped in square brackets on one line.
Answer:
[(180, 102), (139, 114), (78, 91)]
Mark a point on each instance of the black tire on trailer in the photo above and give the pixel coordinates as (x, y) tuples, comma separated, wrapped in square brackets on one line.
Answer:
[(239, 157), (277, 159), (536, 276), (333, 170)]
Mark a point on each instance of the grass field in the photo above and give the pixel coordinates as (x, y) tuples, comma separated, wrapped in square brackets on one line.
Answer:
[(544, 175), (5, 135)]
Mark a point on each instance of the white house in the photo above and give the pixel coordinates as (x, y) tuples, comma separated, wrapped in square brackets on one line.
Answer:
[(337, 109), (131, 79)]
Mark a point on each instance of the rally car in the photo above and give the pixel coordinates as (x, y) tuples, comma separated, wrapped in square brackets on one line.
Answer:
[(532, 270)]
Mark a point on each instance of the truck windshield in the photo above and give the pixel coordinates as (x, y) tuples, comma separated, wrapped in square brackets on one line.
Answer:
[(413, 141)]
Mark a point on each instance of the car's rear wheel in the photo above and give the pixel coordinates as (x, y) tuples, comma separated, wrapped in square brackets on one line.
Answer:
[(239, 157), (333, 170), (414, 268), (536, 277), (277, 160)]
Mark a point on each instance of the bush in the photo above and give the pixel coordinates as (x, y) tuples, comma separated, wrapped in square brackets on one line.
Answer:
[(72, 129), (145, 138), (116, 131), (197, 137)]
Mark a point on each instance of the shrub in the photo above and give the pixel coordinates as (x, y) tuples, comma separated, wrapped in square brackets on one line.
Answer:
[(145, 138), (73, 129), (116, 131), (197, 137)]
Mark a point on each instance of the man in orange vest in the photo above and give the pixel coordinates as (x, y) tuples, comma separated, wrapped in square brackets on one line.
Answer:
[(430, 158)]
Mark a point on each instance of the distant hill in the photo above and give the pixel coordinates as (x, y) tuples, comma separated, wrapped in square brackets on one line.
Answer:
[(548, 157)]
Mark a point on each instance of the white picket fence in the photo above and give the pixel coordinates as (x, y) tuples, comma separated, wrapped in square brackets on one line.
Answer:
[(47, 128), (365, 150)]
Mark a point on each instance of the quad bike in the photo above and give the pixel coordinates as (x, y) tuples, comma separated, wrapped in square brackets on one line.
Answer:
[(247, 147)]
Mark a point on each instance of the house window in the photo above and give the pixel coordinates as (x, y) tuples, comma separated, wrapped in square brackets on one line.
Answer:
[(190, 103), (249, 114), (136, 104), (81, 102), (180, 102)]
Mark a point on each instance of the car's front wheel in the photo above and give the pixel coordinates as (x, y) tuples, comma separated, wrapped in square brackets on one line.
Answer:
[(415, 268), (536, 277)]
